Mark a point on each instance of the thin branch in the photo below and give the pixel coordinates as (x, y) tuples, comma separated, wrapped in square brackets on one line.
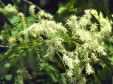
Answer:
[(62, 61), (30, 3), (2, 4), (2, 46)]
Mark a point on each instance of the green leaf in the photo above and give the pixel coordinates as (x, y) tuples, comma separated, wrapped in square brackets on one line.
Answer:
[(97, 79), (20, 62), (4, 68), (62, 78), (5, 20), (8, 77), (53, 77), (7, 65), (16, 2), (14, 19), (15, 32), (42, 49), (30, 20), (2, 4), (31, 59), (61, 10), (14, 52)]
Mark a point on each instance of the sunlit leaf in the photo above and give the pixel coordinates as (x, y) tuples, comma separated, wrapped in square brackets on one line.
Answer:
[(8, 77)]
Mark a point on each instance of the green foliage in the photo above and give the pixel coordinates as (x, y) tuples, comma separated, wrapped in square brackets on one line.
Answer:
[(78, 6), (41, 50)]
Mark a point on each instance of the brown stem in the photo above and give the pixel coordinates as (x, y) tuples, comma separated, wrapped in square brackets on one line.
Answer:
[(37, 7)]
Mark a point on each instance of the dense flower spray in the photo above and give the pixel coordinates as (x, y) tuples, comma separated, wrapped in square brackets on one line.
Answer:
[(87, 38), (89, 48)]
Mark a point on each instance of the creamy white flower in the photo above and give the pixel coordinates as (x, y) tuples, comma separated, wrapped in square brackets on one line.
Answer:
[(11, 9), (89, 40), (100, 49), (94, 57), (42, 14), (92, 38), (93, 27), (88, 14), (83, 22), (69, 61), (77, 61), (89, 69), (69, 72), (73, 23), (46, 27), (32, 9), (94, 12)]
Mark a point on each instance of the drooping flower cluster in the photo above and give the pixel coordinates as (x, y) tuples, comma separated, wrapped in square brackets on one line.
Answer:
[(92, 45), (85, 34), (47, 28), (43, 14), (9, 10), (89, 34), (32, 10)]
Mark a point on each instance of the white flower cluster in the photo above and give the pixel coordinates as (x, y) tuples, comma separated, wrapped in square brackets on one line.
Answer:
[(47, 28), (72, 61), (89, 69), (42, 14), (51, 30), (105, 23), (89, 34), (9, 10), (54, 45), (32, 10), (92, 44)]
